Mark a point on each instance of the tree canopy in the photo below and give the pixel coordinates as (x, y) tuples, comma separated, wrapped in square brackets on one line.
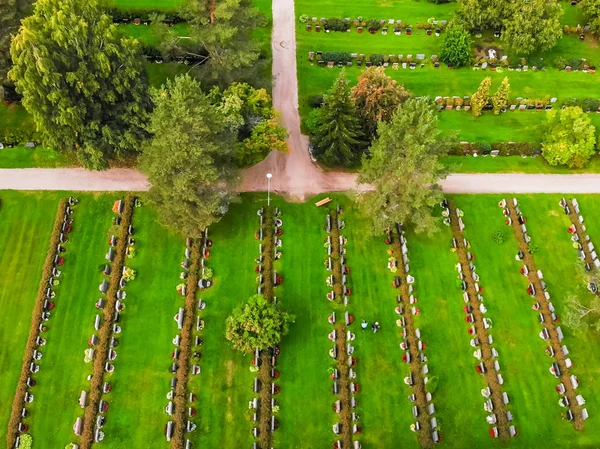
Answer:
[(224, 30), (338, 134), (404, 168), (569, 138), (533, 26), (376, 97), (456, 47), (480, 14), (591, 13), (83, 83), (8, 25), (189, 160), (258, 324)]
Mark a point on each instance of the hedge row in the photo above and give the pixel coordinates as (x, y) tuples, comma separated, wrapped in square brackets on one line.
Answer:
[(183, 372), (105, 332), (491, 375), (503, 148), (418, 388), (129, 15), (544, 309), (36, 321)]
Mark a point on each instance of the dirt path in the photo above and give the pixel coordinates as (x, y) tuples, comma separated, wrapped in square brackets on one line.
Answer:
[(294, 173)]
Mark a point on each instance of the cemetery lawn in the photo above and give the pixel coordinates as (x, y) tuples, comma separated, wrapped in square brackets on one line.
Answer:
[(27, 220), (140, 381), (63, 372)]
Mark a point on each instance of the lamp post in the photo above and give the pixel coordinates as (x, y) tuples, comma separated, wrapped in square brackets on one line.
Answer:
[(269, 176)]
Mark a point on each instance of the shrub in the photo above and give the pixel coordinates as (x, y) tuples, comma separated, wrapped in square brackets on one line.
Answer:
[(376, 59), (456, 48), (25, 441), (337, 24), (373, 24), (560, 63), (315, 101), (432, 384), (337, 57), (304, 18), (499, 236)]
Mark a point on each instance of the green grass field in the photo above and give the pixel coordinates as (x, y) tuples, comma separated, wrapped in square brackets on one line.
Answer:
[(140, 381)]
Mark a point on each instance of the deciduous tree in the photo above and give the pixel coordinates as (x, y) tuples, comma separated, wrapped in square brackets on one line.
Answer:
[(481, 97), (456, 48), (83, 83), (404, 168), (591, 13), (189, 160), (258, 324), (532, 26), (338, 138), (481, 14), (569, 138), (501, 97), (376, 97)]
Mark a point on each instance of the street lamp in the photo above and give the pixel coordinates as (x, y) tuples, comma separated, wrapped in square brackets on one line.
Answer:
[(269, 176)]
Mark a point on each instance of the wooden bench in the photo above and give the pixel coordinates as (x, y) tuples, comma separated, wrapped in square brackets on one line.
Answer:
[(323, 202)]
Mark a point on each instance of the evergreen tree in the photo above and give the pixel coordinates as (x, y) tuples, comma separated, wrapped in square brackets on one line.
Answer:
[(83, 83), (456, 48), (376, 97), (338, 135), (501, 97), (532, 26), (189, 159), (404, 168), (224, 30), (8, 26), (480, 98)]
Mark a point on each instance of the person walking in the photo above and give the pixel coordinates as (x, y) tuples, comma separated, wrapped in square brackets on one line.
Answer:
[(364, 324)]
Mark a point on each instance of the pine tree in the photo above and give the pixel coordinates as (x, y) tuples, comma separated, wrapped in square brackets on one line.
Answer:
[(81, 80), (480, 98), (500, 98), (223, 28), (189, 161), (338, 136)]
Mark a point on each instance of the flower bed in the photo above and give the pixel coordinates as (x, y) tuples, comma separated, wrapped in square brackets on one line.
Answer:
[(181, 396), (580, 239), (551, 333), (266, 360), (413, 355), (343, 374), (496, 404), (105, 333), (34, 340)]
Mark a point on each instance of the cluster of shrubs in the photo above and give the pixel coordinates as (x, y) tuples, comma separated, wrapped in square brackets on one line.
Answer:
[(105, 333), (503, 148), (36, 322), (374, 58), (587, 104), (560, 63), (144, 15), (181, 393)]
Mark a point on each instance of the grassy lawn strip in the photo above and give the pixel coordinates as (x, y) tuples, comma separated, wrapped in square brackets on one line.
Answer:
[(553, 334), (183, 371), (479, 325), (52, 260), (26, 228), (412, 342), (105, 333)]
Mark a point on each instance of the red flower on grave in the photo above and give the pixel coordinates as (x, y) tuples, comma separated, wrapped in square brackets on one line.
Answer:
[(61, 261), (388, 241), (206, 254), (350, 319), (347, 271)]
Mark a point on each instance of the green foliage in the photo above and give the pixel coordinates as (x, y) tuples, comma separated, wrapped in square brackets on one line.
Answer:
[(338, 135), (432, 384), (315, 101), (83, 83), (456, 48), (304, 18), (480, 98), (376, 97), (337, 57), (9, 22), (499, 236), (591, 13), (25, 441), (376, 58), (533, 249), (224, 30), (335, 24), (533, 26), (189, 159), (404, 168), (268, 135), (501, 97), (480, 14), (569, 138), (258, 324)]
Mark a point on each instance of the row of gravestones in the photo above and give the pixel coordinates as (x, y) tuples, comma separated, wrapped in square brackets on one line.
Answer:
[(47, 307), (353, 386), (94, 340), (583, 243), (548, 325), (404, 345), (471, 278), (190, 426)]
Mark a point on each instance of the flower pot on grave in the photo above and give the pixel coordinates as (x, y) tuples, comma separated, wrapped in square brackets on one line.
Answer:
[(428, 32), (359, 30), (408, 31), (582, 37), (308, 27), (372, 30), (317, 28), (397, 31)]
